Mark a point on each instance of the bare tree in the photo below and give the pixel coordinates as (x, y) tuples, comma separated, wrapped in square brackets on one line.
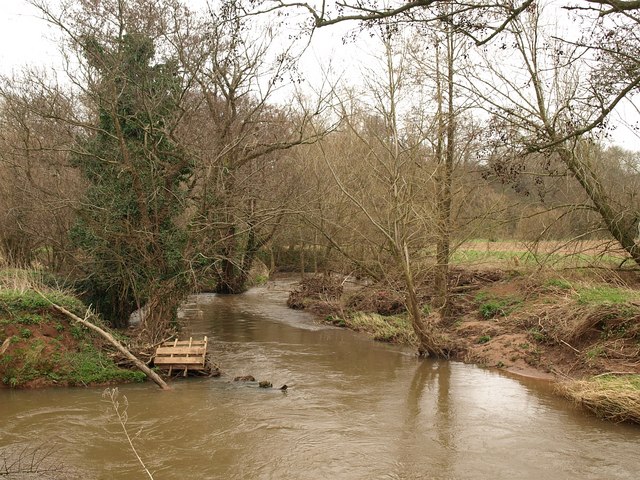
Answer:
[(39, 186), (390, 188), (610, 42), (557, 105), (246, 136)]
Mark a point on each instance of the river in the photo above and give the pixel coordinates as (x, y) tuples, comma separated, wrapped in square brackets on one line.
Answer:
[(354, 409)]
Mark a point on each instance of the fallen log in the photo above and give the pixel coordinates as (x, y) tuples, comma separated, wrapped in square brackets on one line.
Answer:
[(111, 339)]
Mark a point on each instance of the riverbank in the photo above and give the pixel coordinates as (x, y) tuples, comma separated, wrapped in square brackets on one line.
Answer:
[(41, 347), (583, 331)]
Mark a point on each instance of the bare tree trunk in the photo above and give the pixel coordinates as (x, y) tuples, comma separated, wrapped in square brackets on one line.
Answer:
[(444, 179), (617, 225), (428, 342), (315, 253), (301, 256)]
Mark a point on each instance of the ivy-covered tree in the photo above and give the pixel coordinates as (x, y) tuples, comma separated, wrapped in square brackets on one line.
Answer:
[(128, 227)]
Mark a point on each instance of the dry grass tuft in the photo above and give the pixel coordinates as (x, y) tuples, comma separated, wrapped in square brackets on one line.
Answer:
[(18, 280), (615, 398), (569, 321), (22, 280)]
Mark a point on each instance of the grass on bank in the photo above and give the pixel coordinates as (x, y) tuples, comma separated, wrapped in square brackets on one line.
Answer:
[(40, 346), (511, 258), (14, 303), (605, 294), (36, 361), (491, 306), (612, 397), (392, 329)]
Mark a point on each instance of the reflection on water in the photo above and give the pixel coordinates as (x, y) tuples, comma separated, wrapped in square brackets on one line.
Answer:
[(355, 409)]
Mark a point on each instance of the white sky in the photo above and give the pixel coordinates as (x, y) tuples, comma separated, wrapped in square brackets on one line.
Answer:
[(25, 39)]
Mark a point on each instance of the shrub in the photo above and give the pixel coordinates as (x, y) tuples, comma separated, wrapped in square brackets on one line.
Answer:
[(492, 308)]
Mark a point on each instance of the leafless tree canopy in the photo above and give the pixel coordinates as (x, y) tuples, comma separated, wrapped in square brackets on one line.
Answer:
[(181, 150)]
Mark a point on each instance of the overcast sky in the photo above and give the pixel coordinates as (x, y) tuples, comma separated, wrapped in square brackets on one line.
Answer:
[(25, 39), (22, 36)]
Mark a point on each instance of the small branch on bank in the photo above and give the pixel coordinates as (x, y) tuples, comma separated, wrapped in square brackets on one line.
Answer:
[(572, 348), (111, 339)]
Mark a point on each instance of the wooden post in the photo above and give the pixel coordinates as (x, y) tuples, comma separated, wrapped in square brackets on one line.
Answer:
[(175, 342), (186, 367)]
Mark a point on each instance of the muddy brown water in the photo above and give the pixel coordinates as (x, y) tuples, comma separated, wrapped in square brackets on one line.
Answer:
[(355, 409)]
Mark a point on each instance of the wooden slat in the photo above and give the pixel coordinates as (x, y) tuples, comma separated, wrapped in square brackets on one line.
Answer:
[(178, 360), (180, 350), (179, 366), (204, 353), (183, 343)]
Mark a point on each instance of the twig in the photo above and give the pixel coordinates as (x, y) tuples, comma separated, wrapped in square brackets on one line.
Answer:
[(112, 395), (572, 348)]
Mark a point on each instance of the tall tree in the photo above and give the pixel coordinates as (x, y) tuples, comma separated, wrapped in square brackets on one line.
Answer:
[(127, 93), (128, 224), (389, 179), (445, 154)]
